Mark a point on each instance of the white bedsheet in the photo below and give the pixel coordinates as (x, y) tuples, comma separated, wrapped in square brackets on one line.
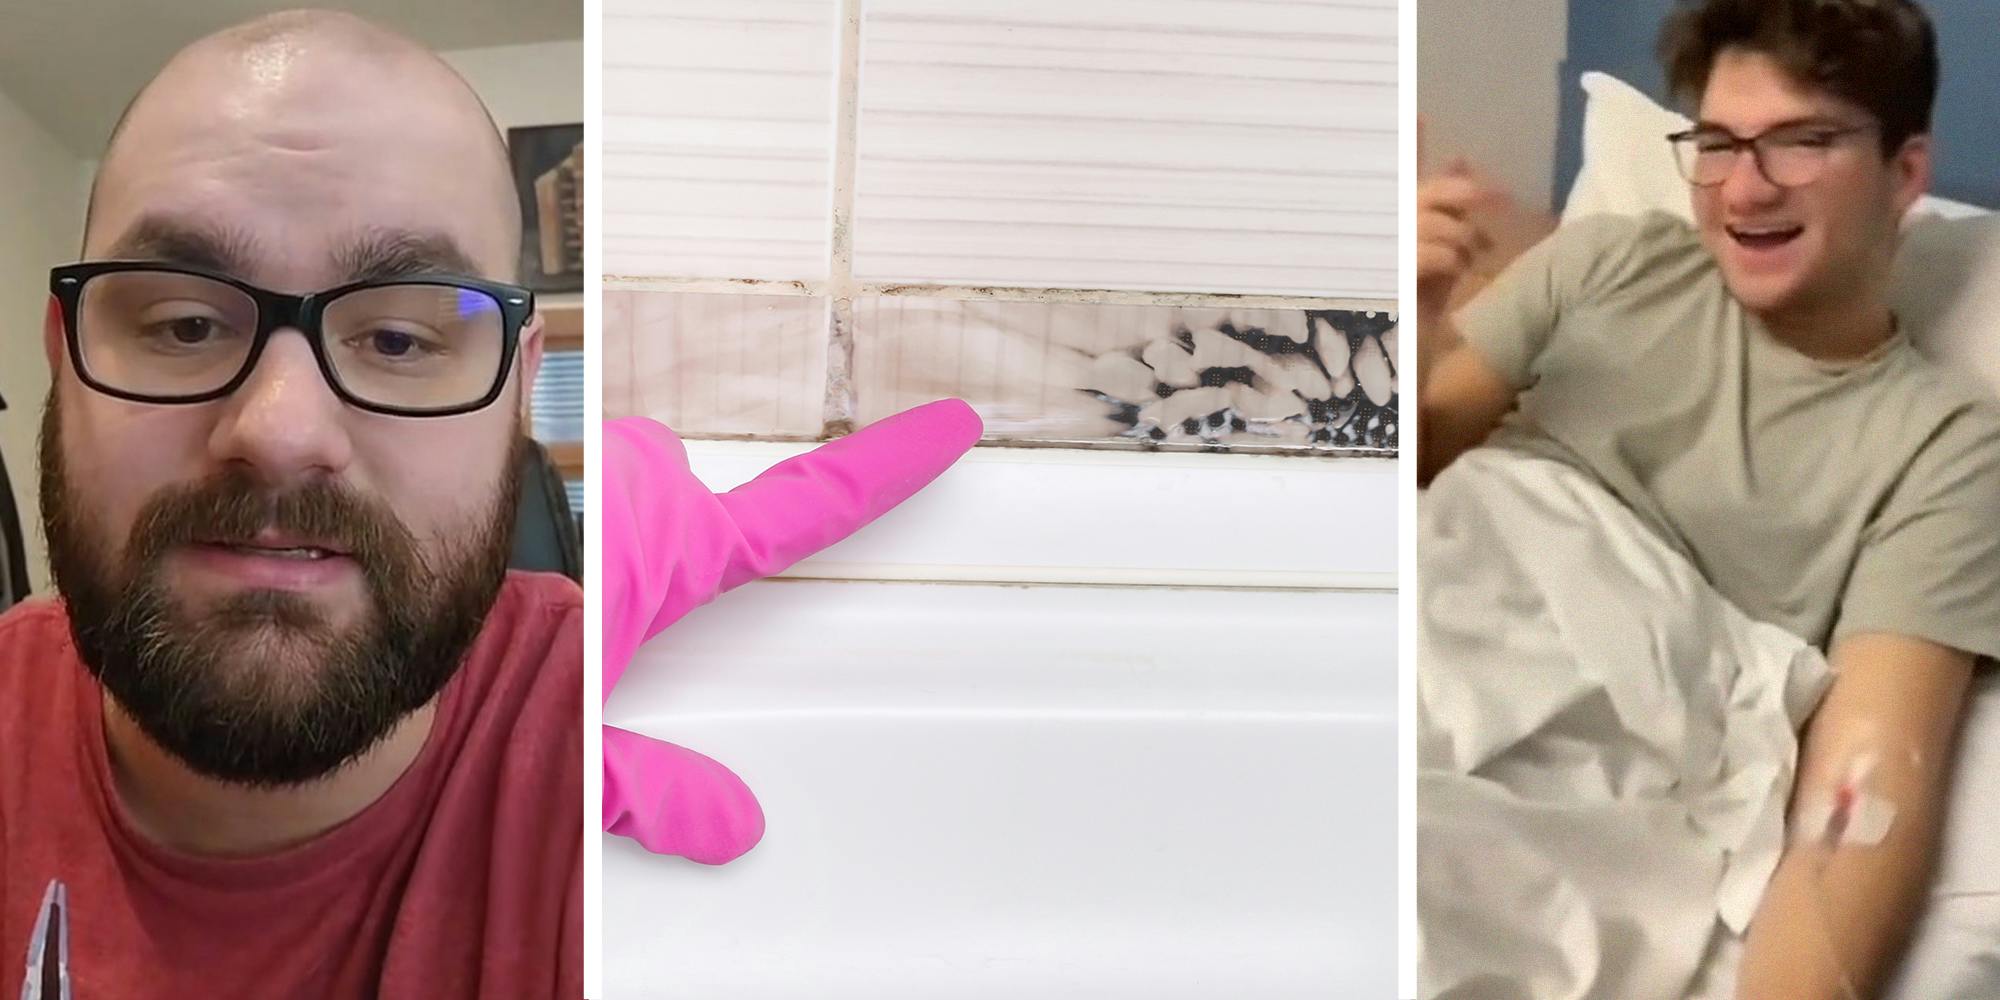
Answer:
[(1605, 744)]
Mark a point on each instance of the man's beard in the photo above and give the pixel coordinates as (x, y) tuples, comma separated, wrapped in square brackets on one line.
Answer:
[(259, 688)]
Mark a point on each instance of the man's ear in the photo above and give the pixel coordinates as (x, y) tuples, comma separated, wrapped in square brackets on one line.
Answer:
[(52, 338), (1911, 170), (531, 356)]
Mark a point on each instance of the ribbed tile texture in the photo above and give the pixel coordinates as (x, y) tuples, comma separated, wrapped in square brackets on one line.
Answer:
[(1189, 145), (716, 364), (718, 137)]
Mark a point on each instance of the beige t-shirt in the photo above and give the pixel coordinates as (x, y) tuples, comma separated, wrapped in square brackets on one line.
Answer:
[(1827, 498)]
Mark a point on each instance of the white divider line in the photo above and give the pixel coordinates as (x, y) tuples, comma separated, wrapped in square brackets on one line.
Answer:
[(593, 516)]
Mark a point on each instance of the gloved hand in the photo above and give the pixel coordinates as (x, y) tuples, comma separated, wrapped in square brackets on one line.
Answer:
[(670, 546)]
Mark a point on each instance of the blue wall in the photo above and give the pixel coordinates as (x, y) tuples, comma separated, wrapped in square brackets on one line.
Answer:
[(1617, 37)]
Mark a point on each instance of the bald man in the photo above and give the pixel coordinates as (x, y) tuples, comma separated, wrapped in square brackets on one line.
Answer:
[(293, 729)]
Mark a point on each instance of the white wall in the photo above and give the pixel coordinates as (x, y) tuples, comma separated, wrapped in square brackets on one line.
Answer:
[(1487, 87), (40, 199), (522, 85), (539, 84), (1144, 145)]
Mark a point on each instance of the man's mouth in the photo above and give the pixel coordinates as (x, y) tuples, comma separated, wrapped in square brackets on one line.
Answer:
[(304, 552), (271, 563), (1764, 237), (276, 545)]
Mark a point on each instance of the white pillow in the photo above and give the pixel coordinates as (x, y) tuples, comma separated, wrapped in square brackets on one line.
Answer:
[(1945, 208), (1629, 170), (1947, 291)]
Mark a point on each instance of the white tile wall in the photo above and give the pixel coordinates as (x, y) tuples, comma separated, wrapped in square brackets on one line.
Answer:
[(718, 137), (1122, 156), (1196, 145)]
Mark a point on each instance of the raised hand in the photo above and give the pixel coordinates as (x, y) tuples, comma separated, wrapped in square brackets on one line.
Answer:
[(1448, 238)]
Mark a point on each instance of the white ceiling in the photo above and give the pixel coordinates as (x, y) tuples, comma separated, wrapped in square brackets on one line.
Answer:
[(74, 64)]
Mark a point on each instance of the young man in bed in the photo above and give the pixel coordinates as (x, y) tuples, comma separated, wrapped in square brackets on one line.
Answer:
[(1743, 386)]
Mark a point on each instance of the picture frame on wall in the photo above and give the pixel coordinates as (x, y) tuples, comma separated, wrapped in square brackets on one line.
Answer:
[(548, 178)]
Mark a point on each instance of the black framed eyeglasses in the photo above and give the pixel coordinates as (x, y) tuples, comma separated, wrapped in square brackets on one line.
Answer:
[(1788, 156), (415, 346)]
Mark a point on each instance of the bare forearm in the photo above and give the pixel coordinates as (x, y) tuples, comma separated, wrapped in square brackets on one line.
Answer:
[(1437, 337), (1829, 924), (1839, 910), (1459, 398)]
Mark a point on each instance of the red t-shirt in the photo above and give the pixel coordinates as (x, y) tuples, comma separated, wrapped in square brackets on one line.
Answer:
[(465, 879)]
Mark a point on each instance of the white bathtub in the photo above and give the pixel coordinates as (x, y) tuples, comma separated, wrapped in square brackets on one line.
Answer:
[(979, 790)]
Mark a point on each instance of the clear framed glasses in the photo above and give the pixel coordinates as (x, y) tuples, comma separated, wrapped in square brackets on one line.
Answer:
[(418, 346), (1787, 156)]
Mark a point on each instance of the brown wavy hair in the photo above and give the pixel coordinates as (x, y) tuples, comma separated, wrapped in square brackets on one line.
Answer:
[(1878, 54)]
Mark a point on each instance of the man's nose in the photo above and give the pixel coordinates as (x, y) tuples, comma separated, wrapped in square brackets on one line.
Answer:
[(1746, 188), (284, 421)]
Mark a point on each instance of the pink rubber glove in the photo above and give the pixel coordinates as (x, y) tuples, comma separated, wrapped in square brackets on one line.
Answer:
[(670, 546)]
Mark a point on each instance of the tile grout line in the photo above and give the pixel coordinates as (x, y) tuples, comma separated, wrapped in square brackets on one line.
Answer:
[(1112, 296), (998, 293), (1110, 445), (838, 412)]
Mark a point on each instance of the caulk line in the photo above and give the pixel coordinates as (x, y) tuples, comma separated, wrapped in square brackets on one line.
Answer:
[(1206, 716)]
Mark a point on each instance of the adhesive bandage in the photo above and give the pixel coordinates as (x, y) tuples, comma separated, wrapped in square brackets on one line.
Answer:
[(1849, 816)]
